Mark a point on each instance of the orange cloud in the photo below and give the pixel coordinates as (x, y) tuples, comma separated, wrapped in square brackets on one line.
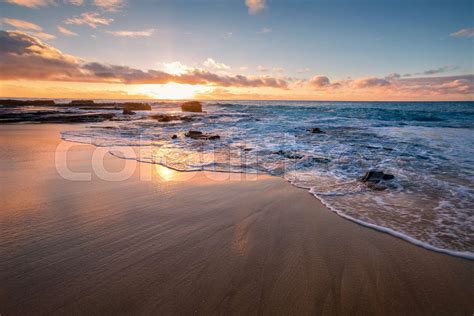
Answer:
[(25, 57), (66, 32), (92, 19), (31, 3), (255, 6), (20, 24)]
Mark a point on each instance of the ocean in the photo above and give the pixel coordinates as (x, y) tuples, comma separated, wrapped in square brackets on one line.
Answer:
[(326, 148)]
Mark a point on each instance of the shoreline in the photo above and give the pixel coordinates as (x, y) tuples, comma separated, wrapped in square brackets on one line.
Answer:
[(254, 245), (407, 238)]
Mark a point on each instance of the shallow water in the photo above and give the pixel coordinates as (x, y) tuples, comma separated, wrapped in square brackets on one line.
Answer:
[(429, 147)]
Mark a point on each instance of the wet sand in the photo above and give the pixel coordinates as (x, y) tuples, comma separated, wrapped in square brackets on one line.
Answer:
[(177, 243)]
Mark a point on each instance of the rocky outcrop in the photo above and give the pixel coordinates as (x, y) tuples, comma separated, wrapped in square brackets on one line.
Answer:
[(288, 154), (317, 130), (374, 179), (55, 117), (192, 106), (82, 102), (11, 102), (376, 176), (170, 118), (201, 135), (136, 106)]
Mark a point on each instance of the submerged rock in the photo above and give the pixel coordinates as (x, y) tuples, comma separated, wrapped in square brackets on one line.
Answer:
[(200, 135), (174, 136), (288, 154), (317, 130), (192, 106), (169, 118), (374, 179)]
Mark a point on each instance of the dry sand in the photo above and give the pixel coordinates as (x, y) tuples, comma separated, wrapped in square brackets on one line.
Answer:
[(177, 244)]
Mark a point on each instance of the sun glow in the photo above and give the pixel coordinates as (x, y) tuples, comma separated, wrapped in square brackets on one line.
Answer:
[(174, 91)]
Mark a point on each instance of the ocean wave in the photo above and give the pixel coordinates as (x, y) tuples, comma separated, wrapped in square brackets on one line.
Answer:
[(428, 203)]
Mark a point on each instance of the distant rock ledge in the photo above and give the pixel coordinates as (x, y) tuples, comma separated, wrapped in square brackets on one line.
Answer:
[(191, 106)]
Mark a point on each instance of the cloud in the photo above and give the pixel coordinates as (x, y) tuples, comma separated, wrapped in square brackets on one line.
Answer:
[(212, 64), (439, 70), (265, 30), (319, 82), (20, 24), (109, 5), (370, 82), (75, 2), (93, 19), (143, 33), (255, 6), (29, 27), (227, 35), (43, 35), (66, 32), (31, 3), (467, 32), (25, 57)]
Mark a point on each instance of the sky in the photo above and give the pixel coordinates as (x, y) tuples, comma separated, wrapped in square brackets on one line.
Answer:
[(238, 49)]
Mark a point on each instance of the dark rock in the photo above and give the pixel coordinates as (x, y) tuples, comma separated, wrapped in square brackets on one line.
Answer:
[(10, 102), (321, 160), (192, 106), (316, 130), (193, 134), (55, 117), (128, 112), (375, 176), (200, 135), (288, 155), (169, 118), (82, 102), (174, 136), (136, 106)]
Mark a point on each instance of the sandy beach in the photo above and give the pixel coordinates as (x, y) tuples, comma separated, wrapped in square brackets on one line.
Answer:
[(201, 243)]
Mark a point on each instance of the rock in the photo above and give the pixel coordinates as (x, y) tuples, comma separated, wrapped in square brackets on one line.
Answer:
[(288, 155), (82, 102), (136, 106), (316, 130), (375, 176), (321, 160), (174, 136), (192, 106), (200, 135), (169, 118), (193, 134), (10, 102), (128, 112)]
